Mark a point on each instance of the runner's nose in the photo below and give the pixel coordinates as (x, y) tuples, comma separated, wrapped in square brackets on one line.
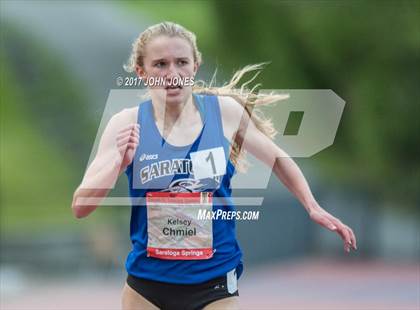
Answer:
[(172, 72)]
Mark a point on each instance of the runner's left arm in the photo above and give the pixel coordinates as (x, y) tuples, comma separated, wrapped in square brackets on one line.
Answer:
[(239, 126)]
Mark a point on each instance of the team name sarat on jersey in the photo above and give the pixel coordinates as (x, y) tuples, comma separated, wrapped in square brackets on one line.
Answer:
[(164, 168)]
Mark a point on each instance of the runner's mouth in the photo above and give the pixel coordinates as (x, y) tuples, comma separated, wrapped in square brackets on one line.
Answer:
[(173, 87)]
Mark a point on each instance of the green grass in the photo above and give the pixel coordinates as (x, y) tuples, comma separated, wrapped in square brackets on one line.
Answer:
[(34, 177)]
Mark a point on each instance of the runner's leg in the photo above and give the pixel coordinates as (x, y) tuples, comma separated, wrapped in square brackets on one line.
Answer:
[(231, 303), (131, 300)]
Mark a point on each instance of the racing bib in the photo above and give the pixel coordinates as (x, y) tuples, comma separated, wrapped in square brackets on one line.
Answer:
[(174, 228)]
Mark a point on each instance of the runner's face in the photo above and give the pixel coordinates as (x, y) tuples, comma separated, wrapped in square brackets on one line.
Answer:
[(169, 58)]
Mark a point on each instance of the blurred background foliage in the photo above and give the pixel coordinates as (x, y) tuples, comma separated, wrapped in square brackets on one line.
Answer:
[(43, 120), (367, 53)]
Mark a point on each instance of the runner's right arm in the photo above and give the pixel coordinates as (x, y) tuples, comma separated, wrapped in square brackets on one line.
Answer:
[(115, 152)]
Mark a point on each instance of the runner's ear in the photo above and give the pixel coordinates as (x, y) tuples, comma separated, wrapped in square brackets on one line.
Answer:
[(196, 66), (140, 71)]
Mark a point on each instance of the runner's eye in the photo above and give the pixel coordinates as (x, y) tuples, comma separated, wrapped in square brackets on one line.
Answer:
[(160, 64), (182, 62)]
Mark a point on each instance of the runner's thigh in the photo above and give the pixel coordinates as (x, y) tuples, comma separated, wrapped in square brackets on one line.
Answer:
[(131, 300), (231, 303)]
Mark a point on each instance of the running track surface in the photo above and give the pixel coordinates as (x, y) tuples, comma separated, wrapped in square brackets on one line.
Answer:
[(320, 284)]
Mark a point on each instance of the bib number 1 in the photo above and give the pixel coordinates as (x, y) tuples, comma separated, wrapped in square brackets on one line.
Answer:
[(208, 163), (211, 159)]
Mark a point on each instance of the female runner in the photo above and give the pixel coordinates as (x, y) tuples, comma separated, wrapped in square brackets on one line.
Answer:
[(179, 150)]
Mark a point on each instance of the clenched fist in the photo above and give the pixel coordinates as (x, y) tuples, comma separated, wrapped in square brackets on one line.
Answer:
[(127, 142)]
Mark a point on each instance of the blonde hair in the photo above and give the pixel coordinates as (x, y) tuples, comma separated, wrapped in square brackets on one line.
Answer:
[(165, 28), (248, 98)]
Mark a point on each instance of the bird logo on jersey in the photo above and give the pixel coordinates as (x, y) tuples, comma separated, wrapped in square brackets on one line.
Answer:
[(193, 185)]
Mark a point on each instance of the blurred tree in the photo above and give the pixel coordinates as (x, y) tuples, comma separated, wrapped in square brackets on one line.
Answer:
[(44, 125)]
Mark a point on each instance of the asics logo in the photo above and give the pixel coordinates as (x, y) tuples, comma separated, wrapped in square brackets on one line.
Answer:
[(148, 156)]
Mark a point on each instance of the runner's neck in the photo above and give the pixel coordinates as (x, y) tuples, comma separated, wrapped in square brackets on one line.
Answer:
[(178, 114)]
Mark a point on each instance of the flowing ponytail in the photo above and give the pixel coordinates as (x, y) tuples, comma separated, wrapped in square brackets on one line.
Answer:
[(250, 99)]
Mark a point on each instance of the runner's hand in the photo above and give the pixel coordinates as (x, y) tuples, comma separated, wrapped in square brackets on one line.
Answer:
[(325, 219), (127, 142)]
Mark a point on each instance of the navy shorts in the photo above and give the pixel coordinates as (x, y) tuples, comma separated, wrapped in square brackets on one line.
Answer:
[(169, 296)]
